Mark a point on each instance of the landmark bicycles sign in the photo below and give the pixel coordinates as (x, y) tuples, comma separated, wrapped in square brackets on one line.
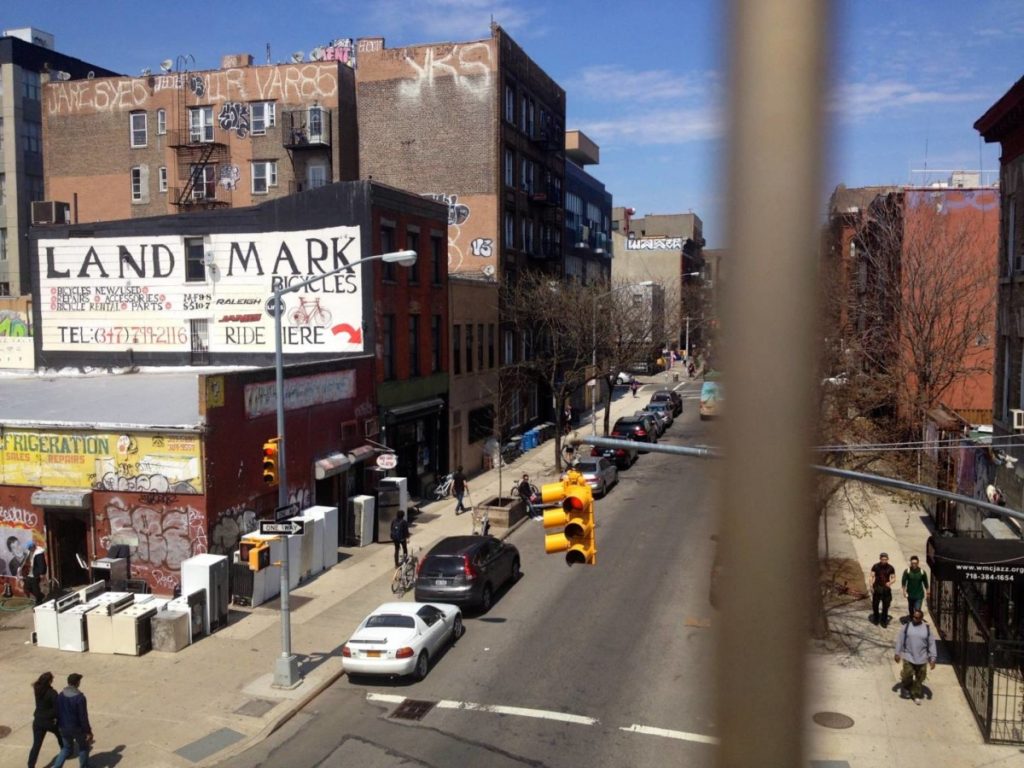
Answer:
[(178, 294)]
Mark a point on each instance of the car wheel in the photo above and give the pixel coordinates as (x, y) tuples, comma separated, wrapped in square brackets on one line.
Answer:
[(457, 629), (486, 599), (422, 665), (516, 572)]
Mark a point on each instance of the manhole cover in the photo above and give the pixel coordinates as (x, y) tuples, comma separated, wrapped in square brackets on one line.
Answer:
[(255, 708), (832, 720), (410, 709), (4, 731)]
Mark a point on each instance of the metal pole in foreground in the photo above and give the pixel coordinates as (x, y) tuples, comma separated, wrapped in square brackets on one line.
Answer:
[(286, 668)]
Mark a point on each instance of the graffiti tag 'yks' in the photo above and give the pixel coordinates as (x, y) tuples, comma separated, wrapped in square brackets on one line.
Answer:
[(469, 67)]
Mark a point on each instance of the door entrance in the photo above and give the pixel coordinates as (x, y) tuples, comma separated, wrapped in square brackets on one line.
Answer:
[(67, 535)]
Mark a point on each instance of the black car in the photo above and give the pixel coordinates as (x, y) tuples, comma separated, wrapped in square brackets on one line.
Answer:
[(669, 394), (623, 458), (634, 428), (466, 570)]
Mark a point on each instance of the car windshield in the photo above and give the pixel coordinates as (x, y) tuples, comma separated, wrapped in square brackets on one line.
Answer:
[(443, 565), (391, 620), (586, 466)]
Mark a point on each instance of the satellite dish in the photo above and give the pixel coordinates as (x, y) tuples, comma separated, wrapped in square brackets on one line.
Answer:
[(91, 75), (145, 72), (297, 57), (166, 65), (62, 75)]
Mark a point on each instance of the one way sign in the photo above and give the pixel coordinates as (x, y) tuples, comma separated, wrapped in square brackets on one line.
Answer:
[(270, 528)]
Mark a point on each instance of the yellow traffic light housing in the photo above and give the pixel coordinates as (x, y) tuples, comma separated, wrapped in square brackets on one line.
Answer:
[(270, 459), (575, 518), (259, 556)]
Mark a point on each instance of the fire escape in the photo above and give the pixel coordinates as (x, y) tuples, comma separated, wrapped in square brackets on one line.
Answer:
[(203, 159), (549, 138)]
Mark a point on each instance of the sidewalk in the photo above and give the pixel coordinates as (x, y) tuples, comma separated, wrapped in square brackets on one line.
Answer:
[(855, 675), (214, 698)]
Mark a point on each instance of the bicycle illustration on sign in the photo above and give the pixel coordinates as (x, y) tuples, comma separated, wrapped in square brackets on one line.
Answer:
[(309, 312)]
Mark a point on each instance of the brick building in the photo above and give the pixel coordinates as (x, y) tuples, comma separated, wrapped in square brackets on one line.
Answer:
[(178, 140)]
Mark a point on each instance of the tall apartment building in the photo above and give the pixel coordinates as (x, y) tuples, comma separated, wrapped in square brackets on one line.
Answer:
[(176, 140), (27, 60), (588, 214)]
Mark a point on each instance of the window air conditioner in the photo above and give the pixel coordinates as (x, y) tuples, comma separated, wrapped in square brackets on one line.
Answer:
[(50, 212)]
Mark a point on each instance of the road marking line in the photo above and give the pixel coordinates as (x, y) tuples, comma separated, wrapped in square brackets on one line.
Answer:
[(668, 734), (543, 714)]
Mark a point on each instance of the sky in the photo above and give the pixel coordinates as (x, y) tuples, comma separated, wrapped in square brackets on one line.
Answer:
[(646, 80)]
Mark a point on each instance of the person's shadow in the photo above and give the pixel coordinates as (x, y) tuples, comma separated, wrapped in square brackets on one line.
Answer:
[(106, 759)]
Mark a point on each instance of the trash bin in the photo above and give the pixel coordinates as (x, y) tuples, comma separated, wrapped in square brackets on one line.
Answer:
[(675, 377)]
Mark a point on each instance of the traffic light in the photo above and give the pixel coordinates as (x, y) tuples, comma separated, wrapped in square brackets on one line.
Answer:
[(575, 518), (270, 468), (256, 556)]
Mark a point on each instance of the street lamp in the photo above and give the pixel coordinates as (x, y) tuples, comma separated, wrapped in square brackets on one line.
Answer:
[(286, 669), (687, 346)]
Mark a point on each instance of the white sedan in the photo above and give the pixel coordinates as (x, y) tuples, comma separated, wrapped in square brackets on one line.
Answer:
[(401, 639)]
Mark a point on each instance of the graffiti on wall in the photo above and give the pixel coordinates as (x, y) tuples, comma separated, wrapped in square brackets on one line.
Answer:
[(103, 461), (482, 247), (16, 346), (234, 116), (340, 49), (160, 536), (288, 83), (228, 175), (458, 213), (18, 527), (235, 522), (14, 324), (469, 67)]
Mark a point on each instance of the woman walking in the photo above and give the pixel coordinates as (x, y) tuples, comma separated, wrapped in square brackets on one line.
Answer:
[(45, 717)]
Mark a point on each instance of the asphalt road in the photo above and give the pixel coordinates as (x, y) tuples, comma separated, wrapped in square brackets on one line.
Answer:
[(592, 666)]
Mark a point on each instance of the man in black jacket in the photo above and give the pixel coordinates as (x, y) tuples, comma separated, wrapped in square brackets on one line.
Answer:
[(73, 721)]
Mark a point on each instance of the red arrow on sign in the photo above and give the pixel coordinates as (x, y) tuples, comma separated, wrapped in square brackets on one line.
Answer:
[(355, 335)]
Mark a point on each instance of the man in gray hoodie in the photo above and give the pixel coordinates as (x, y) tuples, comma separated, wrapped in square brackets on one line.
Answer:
[(915, 644), (73, 722)]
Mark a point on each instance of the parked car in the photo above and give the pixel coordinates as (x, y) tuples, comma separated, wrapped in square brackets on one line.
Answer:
[(600, 474), (467, 570), (663, 407), (657, 420), (663, 395), (623, 378), (634, 428), (401, 639), (623, 458)]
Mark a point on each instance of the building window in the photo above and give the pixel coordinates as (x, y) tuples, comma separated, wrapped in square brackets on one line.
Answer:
[(509, 348), (456, 350), (1013, 260), (264, 176), (163, 178), (3, 244), (490, 345), (200, 124), (31, 134), (137, 184), (510, 103), (138, 126), (1, 134), (480, 347), (534, 404), (529, 119), (481, 423), (316, 175), (388, 343), (524, 104), (510, 229), (514, 408), (436, 255), (412, 243), (3, 189), (204, 181), (435, 343), (264, 115), (30, 85), (161, 121), (195, 260), (387, 245), (5, 289), (510, 168), (469, 347), (414, 345)]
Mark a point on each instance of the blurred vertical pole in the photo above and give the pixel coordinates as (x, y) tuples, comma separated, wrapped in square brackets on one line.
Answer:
[(777, 84)]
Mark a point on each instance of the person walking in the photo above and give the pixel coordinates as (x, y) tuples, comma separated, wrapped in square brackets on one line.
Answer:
[(459, 488), (882, 577), (915, 586), (915, 645), (526, 492), (634, 385), (73, 722), (33, 570), (44, 719), (400, 535)]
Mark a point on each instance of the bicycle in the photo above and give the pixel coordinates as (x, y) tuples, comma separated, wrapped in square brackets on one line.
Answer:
[(309, 312), (405, 574), (444, 489)]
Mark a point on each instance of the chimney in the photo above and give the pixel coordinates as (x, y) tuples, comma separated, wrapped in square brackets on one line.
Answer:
[(234, 60)]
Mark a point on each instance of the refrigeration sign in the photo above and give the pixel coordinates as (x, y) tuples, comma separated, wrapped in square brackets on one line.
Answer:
[(177, 294)]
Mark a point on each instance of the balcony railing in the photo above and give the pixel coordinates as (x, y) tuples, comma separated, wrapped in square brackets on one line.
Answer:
[(306, 128)]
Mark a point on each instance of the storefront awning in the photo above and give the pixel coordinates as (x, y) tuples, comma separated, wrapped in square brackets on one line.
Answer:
[(334, 464), (414, 409), (362, 453), (68, 498), (958, 559)]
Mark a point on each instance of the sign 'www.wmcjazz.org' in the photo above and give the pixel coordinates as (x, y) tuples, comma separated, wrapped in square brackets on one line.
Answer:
[(175, 294)]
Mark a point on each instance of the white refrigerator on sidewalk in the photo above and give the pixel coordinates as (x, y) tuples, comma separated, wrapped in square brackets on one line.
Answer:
[(209, 572)]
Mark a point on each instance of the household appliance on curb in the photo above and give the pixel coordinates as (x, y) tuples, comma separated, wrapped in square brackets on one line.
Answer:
[(209, 572), (361, 510)]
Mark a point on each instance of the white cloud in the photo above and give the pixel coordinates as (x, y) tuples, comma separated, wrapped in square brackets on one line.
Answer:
[(657, 126), (608, 82), (447, 20), (861, 99)]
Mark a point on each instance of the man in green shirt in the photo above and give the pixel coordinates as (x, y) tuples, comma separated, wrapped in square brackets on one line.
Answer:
[(915, 586)]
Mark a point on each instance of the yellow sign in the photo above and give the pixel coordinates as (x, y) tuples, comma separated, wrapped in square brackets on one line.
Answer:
[(145, 463)]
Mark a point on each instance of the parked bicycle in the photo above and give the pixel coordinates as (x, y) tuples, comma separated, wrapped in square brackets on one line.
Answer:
[(444, 489), (405, 574)]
